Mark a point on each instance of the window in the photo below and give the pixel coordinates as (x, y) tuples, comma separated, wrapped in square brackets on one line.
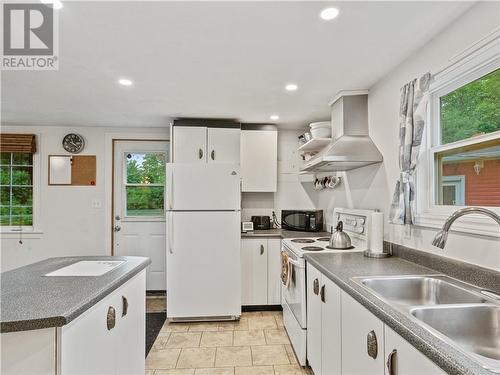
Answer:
[(466, 154), (145, 184), (16, 189)]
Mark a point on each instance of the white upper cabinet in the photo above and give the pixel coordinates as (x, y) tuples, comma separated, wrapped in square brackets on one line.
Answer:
[(190, 144), (259, 160), (223, 145), (201, 144)]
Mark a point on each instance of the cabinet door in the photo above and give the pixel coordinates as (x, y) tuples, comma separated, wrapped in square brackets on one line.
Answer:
[(223, 145), (331, 329), (274, 271), (357, 323), (314, 319), (254, 272), (190, 144), (130, 328), (87, 346), (406, 360), (259, 160)]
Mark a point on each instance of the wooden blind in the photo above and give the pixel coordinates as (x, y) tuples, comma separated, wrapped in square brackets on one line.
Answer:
[(17, 143)]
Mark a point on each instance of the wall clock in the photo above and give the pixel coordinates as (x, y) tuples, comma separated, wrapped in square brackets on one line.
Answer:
[(73, 143)]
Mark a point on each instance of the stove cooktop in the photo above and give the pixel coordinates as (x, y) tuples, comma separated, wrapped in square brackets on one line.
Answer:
[(300, 246)]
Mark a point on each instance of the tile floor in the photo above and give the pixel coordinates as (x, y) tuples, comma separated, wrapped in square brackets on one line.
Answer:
[(255, 345)]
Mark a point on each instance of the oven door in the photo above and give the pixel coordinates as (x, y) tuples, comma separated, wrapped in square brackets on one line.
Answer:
[(294, 285)]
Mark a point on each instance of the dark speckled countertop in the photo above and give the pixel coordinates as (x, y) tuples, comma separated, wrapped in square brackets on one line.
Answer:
[(29, 300), (282, 233), (341, 268)]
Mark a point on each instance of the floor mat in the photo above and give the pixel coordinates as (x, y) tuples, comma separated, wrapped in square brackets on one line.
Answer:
[(154, 322)]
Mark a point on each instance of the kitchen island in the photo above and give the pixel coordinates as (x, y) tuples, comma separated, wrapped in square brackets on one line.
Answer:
[(55, 318)]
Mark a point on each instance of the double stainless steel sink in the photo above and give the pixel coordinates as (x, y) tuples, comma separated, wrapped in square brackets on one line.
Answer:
[(458, 312)]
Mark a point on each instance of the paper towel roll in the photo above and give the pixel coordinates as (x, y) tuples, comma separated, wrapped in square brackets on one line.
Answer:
[(377, 233)]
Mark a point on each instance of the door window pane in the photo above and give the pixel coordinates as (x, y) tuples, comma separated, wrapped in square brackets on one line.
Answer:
[(145, 168), (469, 175), (145, 200), (471, 110)]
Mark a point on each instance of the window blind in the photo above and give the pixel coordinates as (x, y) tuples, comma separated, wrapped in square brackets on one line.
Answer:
[(17, 143)]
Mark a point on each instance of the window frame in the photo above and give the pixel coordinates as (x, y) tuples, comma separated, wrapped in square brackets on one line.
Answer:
[(470, 67), (35, 230), (126, 217)]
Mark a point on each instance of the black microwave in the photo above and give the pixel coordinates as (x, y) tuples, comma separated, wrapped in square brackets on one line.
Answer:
[(300, 220)]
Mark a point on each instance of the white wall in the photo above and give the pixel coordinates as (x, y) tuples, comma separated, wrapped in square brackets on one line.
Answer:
[(69, 224), (373, 186), (291, 192)]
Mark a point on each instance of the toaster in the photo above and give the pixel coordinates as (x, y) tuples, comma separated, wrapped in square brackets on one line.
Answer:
[(261, 222)]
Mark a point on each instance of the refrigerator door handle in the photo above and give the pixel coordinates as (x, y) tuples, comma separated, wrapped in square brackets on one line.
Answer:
[(170, 192), (170, 231)]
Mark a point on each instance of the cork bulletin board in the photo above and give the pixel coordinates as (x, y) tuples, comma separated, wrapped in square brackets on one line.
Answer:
[(76, 170)]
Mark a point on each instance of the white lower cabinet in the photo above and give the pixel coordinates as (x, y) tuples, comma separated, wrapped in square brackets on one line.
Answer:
[(107, 339), (403, 359), (260, 271), (110, 337), (343, 337), (323, 324), (360, 328)]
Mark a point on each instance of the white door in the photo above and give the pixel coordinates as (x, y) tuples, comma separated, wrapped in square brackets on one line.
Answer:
[(223, 145), (203, 186), (203, 259), (405, 359), (259, 160), (313, 319), (357, 323), (254, 271), (331, 329), (274, 271), (139, 205), (190, 144)]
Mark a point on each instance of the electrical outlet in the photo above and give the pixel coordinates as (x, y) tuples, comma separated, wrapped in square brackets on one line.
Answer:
[(96, 203)]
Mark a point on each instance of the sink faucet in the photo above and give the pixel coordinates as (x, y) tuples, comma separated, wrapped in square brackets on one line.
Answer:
[(442, 236)]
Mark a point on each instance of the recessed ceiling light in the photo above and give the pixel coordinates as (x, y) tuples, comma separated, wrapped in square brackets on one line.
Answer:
[(328, 14), (291, 87), (56, 4), (125, 82), (274, 117)]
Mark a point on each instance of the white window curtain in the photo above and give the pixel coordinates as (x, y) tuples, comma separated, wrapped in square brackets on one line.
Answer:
[(412, 118)]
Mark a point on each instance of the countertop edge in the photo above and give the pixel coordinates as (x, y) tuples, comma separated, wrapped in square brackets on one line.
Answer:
[(395, 320), (62, 320)]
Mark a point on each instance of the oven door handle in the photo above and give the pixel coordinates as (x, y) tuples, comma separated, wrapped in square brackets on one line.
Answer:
[(294, 262)]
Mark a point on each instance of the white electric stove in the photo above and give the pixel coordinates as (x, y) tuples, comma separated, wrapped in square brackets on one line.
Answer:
[(357, 224)]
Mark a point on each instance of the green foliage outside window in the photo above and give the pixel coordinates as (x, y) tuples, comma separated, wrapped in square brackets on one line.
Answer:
[(16, 190), (472, 109), (145, 184)]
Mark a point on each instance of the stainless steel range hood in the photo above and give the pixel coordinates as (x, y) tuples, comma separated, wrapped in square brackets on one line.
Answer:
[(352, 147)]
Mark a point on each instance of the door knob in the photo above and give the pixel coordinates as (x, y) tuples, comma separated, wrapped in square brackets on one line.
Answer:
[(117, 228), (117, 217)]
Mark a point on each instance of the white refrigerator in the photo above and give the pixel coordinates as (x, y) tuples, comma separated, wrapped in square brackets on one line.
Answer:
[(203, 241)]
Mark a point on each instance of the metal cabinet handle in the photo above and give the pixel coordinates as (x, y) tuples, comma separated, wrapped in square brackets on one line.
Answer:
[(124, 306), (390, 362), (316, 286), (371, 344), (212, 154), (200, 153), (261, 249), (111, 318), (322, 293)]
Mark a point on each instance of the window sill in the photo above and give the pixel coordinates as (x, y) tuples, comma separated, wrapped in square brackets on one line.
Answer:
[(26, 234), (471, 224)]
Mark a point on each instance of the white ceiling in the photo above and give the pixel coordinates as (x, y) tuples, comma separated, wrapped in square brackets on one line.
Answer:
[(215, 59)]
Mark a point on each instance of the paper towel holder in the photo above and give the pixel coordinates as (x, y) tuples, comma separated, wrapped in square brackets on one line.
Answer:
[(370, 253)]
